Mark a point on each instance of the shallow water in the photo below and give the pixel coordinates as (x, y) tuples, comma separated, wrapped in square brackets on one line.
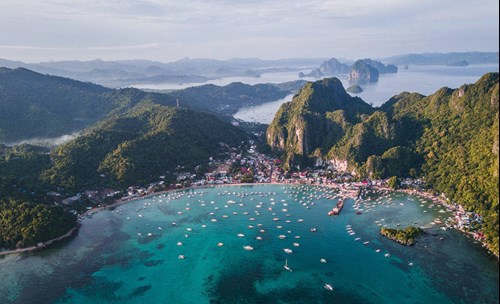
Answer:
[(108, 262)]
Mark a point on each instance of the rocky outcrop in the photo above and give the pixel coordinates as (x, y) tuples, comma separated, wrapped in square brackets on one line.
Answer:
[(382, 68), (316, 73), (331, 67), (355, 89), (305, 128), (362, 72)]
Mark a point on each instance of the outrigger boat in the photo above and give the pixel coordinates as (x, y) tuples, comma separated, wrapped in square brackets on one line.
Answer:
[(286, 266)]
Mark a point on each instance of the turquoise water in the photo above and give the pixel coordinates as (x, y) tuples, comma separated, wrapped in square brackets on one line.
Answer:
[(108, 262)]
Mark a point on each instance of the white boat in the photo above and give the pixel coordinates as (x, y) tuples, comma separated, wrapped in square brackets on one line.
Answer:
[(323, 261), (288, 250), (286, 266), (240, 235), (220, 244), (248, 248), (181, 257), (328, 287)]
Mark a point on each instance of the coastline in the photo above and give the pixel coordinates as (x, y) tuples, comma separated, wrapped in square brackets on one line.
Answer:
[(124, 200), (441, 201), (42, 245)]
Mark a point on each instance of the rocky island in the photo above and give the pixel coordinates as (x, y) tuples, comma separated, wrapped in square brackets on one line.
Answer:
[(405, 236), (362, 72), (354, 89)]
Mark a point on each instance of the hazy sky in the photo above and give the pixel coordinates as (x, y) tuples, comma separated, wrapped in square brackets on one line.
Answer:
[(166, 30)]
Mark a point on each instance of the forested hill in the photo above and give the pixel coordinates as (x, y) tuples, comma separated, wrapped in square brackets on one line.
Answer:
[(36, 105), (33, 105), (129, 147), (138, 146), (449, 137)]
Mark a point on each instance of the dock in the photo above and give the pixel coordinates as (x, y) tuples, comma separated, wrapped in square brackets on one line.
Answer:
[(336, 210)]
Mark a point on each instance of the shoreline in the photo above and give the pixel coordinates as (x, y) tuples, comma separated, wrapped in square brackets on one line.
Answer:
[(43, 245), (441, 201), (122, 201)]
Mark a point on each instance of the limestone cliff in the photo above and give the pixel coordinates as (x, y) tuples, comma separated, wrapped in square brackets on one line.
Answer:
[(314, 120), (450, 138), (362, 72)]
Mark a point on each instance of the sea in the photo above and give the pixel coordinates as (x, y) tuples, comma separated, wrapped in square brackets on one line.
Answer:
[(188, 246), (420, 79)]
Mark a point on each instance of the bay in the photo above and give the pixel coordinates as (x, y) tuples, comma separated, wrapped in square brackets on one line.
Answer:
[(113, 260)]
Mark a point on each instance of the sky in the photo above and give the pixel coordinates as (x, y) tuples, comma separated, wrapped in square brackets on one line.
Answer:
[(168, 30)]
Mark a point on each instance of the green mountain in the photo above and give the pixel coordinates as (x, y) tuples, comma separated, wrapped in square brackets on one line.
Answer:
[(36, 105), (138, 146), (134, 147), (228, 99), (449, 137), (26, 215), (314, 120), (33, 105)]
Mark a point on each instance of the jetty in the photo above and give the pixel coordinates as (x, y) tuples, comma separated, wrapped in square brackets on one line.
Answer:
[(336, 210)]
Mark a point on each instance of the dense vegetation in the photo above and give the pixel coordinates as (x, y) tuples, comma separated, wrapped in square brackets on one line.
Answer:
[(26, 224), (228, 99), (20, 169), (131, 148), (405, 236), (138, 146), (33, 105), (36, 105), (450, 138)]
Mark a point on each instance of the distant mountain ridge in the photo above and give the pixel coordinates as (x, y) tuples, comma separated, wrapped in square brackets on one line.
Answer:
[(444, 58), (122, 73), (128, 72)]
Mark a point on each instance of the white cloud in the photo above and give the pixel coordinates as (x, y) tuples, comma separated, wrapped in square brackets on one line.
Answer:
[(169, 29)]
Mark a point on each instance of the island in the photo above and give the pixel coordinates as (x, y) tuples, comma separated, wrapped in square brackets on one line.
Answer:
[(405, 236), (362, 72), (354, 89)]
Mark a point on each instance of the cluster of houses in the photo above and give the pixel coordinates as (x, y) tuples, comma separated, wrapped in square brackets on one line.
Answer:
[(469, 222), (248, 165)]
